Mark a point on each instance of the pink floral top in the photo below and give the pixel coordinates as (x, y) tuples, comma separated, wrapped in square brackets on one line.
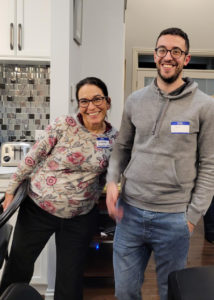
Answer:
[(67, 167)]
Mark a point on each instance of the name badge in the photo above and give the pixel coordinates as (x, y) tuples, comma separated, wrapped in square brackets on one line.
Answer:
[(103, 142), (180, 127)]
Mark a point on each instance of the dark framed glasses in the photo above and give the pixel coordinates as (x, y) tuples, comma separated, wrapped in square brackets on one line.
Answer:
[(174, 52), (97, 101)]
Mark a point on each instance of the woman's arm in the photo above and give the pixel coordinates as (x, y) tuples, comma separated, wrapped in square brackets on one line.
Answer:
[(8, 199), (39, 152)]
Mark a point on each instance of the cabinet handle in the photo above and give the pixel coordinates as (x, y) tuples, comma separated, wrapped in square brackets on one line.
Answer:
[(11, 36), (20, 37)]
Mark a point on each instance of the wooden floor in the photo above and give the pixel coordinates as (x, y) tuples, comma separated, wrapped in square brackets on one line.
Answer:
[(201, 253)]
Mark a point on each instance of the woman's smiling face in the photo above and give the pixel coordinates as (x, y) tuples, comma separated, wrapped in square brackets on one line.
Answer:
[(92, 115)]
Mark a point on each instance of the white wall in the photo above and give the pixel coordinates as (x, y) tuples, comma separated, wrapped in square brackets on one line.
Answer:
[(101, 53), (103, 49), (146, 18), (60, 57), (65, 58)]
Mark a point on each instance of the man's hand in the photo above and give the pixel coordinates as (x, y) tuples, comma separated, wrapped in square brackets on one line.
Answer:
[(112, 194), (8, 199), (190, 226)]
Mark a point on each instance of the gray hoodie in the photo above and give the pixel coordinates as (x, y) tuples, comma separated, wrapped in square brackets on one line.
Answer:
[(165, 151)]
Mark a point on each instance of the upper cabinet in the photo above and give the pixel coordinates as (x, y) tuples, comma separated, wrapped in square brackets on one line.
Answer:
[(25, 28)]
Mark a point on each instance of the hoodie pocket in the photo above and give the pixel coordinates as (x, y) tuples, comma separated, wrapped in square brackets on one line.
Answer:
[(151, 174)]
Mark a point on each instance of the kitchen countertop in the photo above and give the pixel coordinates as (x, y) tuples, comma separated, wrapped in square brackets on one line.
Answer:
[(5, 175), (6, 172)]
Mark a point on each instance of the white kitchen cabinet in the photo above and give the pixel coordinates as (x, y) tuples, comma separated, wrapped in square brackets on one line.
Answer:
[(7, 21), (25, 29)]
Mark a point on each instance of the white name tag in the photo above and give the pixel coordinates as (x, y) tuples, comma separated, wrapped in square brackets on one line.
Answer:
[(180, 127), (103, 142)]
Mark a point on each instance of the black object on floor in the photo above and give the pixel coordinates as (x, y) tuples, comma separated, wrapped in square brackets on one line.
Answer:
[(209, 224), (192, 284), (20, 291)]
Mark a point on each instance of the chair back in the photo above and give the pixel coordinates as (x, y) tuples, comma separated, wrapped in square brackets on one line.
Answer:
[(5, 233), (20, 291), (195, 283)]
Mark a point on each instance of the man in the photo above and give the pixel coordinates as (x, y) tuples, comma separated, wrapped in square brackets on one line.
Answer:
[(165, 152)]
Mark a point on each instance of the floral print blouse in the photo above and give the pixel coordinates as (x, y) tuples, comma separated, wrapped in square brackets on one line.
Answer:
[(67, 167)]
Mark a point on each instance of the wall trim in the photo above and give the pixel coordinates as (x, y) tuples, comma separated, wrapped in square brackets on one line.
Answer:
[(49, 295)]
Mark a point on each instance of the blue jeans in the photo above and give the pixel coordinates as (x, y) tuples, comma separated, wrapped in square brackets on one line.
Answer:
[(138, 234)]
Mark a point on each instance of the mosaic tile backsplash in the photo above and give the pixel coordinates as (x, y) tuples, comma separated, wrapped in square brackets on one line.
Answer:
[(24, 101)]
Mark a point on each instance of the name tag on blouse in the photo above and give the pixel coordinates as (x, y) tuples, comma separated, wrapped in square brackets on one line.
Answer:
[(103, 142), (180, 127)]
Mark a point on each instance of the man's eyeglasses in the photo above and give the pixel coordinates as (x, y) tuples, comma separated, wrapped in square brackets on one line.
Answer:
[(175, 52), (97, 101)]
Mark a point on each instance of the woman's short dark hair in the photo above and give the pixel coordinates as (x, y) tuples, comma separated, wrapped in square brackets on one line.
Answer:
[(93, 81), (175, 31)]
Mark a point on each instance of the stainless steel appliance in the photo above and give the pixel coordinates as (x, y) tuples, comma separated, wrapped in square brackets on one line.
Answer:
[(13, 152)]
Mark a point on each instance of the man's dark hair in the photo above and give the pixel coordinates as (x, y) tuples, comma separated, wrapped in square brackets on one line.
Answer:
[(93, 81), (175, 31)]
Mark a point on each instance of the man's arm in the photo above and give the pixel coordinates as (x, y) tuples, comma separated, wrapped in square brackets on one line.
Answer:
[(119, 159), (112, 194), (204, 185)]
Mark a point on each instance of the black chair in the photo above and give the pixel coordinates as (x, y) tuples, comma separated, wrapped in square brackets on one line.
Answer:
[(195, 283), (209, 223), (18, 198), (20, 291), (5, 228), (16, 291), (5, 233)]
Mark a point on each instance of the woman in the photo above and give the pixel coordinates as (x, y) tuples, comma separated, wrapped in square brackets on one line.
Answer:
[(66, 168)]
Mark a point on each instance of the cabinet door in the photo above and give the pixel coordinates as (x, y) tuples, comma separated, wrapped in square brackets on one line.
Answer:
[(33, 28), (7, 27)]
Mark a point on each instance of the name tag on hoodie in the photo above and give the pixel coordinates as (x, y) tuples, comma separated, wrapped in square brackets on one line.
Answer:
[(180, 127), (103, 142)]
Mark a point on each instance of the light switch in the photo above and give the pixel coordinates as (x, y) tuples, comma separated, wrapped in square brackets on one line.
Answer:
[(38, 134)]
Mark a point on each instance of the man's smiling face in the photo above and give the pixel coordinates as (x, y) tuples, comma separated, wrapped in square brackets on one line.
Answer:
[(170, 69)]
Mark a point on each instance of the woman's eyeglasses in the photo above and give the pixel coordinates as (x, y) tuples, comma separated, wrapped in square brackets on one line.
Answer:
[(97, 101)]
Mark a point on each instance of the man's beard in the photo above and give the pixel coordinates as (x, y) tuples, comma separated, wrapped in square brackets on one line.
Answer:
[(169, 79)]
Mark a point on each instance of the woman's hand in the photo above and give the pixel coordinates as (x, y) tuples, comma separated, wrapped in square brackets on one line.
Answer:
[(8, 199), (112, 194)]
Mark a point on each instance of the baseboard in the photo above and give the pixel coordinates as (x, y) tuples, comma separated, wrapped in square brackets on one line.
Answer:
[(49, 295)]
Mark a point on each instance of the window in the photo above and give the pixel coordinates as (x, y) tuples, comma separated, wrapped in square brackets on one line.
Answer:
[(200, 68)]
